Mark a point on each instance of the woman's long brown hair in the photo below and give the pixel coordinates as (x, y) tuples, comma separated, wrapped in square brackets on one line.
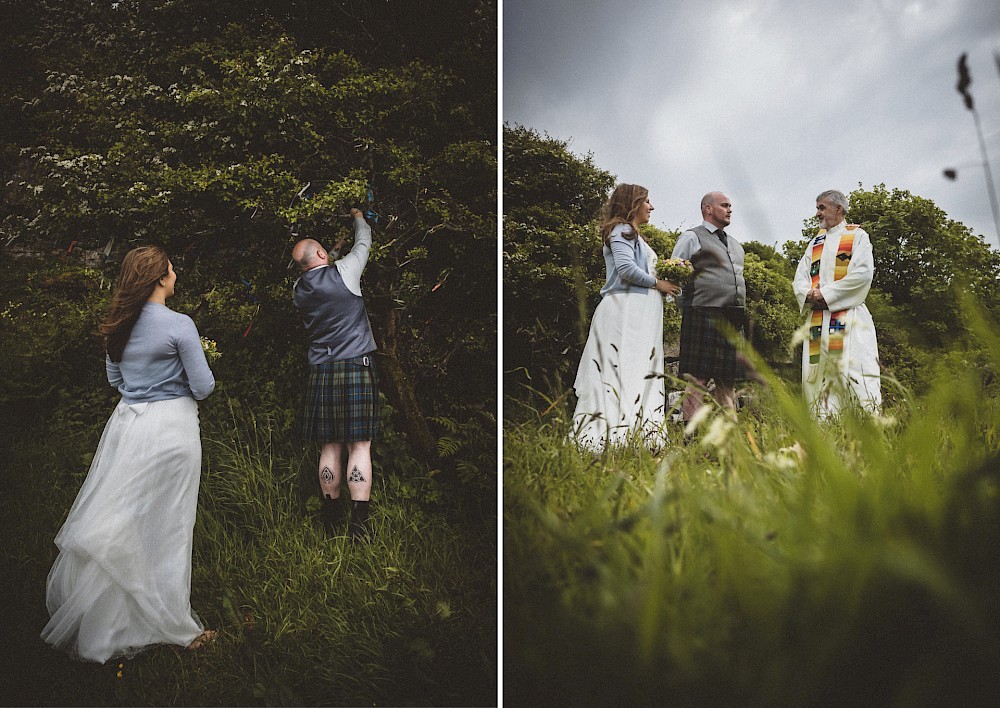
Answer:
[(141, 270), (621, 208)]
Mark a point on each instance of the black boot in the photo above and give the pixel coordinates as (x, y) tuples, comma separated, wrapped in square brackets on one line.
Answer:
[(360, 526), (332, 514)]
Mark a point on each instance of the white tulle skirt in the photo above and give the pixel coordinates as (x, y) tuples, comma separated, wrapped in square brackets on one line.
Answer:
[(619, 384), (122, 580)]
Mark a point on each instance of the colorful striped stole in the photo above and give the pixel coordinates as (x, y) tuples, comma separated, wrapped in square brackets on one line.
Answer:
[(835, 346)]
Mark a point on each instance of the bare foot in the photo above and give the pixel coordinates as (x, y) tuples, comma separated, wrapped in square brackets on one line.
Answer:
[(206, 637)]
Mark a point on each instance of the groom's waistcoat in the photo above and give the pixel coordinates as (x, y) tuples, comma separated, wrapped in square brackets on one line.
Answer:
[(718, 270), (334, 317)]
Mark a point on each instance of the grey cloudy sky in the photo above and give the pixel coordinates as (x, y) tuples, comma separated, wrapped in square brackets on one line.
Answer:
[(772, 101)]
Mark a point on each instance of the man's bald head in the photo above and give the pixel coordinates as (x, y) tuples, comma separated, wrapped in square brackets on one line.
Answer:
[(308, 253), (711, 198), (716, 209)]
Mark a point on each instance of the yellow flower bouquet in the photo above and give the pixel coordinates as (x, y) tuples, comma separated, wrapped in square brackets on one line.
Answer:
[(677, 270), (212, 352)]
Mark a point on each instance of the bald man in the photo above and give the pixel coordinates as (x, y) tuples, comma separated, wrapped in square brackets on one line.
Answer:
[(717, 294), (341, 405)]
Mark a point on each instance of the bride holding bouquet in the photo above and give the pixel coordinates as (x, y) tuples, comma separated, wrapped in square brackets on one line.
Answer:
[(619, 383)]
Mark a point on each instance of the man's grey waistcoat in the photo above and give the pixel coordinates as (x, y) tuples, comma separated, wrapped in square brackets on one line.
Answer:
[(718, 273), (335, 318)]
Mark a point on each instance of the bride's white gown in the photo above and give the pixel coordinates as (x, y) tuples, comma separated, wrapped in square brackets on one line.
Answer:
[(122, 580), (619, 384)]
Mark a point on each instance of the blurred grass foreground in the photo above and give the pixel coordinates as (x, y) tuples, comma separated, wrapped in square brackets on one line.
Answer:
[(771, 560)]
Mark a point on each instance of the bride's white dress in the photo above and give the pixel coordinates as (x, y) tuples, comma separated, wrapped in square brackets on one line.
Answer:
[(619, 383), (122, 580)]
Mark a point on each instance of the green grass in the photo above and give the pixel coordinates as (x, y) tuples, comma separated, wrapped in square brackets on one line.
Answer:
[(407, 619), (770, 560)]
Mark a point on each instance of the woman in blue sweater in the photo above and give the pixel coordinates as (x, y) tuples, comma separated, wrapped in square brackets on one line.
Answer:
[(122, 579), (619, 384)]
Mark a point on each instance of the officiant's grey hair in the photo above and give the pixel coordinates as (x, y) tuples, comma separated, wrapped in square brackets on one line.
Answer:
[(835, 197)]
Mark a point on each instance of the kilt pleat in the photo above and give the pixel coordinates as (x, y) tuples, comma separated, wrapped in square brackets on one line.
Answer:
[(341, 402), (705, 351)]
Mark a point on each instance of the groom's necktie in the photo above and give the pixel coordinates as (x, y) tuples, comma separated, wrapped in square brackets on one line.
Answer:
[(722, 237)]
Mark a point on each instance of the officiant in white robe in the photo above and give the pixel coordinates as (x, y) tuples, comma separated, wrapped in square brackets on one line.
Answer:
[(840, 364)]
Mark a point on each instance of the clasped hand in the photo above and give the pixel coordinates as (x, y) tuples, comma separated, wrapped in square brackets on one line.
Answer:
[(666, 287), (815, 297)]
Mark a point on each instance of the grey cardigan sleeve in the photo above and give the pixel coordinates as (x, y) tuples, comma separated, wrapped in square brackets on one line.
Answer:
[(200, 377), (623, 252), (114, 372)]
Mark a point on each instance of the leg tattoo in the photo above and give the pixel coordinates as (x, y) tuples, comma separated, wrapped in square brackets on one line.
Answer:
[(356, 475), (327, 475)]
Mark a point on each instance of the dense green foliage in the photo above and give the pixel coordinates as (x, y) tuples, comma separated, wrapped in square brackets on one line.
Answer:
[(221, 136), (224, 132), (552, 267), (771, 307), (770, 560), (921, 256)]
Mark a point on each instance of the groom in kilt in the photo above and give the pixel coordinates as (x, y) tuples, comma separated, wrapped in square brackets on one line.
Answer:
[(716, 295), (341, 404)]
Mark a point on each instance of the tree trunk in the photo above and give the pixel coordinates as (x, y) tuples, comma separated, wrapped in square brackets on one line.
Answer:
[(400, 392)]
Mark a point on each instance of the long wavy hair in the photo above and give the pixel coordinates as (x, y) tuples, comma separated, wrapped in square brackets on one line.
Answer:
[(620, 209), (141, 270)]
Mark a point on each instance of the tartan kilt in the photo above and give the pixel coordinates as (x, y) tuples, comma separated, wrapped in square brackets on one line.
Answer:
[(705, 351), (341, 402)]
